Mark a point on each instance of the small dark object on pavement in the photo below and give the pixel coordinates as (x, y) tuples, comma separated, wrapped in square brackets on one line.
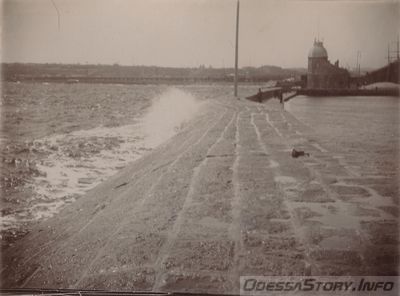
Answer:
[(120, 185), (297, 153)]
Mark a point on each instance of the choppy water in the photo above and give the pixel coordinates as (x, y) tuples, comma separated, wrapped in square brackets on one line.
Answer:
[(49, 161)]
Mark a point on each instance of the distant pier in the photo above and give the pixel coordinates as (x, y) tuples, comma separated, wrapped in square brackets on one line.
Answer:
[(348, 92), (287, 94)]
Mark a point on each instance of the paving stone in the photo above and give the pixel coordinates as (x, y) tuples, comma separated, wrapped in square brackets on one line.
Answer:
[(121, 280), (201, 255), (271, 265), (196, 283), (350, 190)]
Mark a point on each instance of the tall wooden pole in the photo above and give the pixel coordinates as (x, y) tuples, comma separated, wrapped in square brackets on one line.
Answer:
[(236, 48)]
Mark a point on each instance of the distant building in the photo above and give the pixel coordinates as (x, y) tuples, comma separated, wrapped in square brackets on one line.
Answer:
[(321, 73)]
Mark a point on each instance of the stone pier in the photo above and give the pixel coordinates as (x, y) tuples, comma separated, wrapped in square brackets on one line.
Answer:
[(221, 199)]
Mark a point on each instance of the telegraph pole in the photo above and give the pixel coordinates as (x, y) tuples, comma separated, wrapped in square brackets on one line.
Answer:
[(236, 48), (357, 60)]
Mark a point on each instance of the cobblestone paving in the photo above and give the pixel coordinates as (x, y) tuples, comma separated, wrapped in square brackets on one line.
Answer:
[(223, 198)]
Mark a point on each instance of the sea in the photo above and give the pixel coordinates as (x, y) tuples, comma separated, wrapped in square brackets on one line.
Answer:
[(58, 141)]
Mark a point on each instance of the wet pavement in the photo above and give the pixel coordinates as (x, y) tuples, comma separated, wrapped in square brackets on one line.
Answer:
[(223, 198)]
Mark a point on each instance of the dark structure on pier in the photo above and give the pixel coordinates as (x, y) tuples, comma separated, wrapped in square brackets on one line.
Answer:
[(388, 73), (321, 73)]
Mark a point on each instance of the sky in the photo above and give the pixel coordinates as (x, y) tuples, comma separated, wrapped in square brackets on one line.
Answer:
[(189, 33)]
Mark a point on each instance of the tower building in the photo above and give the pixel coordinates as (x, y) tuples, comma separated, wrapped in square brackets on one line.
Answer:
[(321, 74)]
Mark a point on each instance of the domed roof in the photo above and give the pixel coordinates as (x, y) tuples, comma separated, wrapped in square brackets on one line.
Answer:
[(318, 50)]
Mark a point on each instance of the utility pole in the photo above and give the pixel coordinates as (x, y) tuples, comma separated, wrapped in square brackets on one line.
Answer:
[(236, 48), (358, 62)]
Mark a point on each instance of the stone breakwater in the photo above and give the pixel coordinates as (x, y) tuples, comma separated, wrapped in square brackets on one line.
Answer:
[(222, 198)]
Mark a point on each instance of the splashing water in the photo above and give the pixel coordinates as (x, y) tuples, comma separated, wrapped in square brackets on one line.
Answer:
[(80, 160), (167, 115)]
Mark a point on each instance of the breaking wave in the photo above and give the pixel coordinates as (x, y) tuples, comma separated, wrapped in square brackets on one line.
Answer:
[(80, 160)]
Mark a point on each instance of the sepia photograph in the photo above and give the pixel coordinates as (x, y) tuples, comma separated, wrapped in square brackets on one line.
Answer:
[(199, 147)]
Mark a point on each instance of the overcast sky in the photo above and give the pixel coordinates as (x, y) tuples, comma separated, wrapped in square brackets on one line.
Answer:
[(193, 32)]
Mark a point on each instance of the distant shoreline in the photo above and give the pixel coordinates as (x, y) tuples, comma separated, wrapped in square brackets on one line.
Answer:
[(141, 74), (128, 80)]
